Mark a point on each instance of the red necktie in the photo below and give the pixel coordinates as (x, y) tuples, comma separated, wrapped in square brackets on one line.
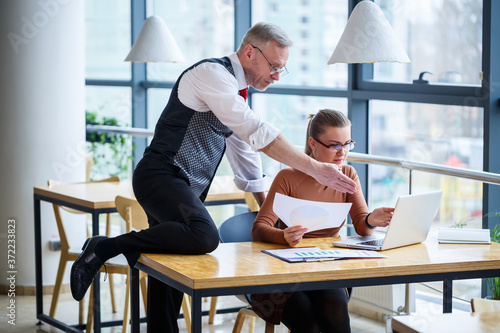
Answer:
[(243, 93)]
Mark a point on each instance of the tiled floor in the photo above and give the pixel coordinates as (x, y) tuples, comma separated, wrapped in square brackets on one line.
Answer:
[(67, 311)]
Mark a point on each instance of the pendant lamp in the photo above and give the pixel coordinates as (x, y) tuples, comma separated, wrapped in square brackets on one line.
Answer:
[(155, 43), (368, 37)]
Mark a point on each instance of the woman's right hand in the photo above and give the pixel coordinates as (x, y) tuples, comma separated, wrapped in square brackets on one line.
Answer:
[(293, 235)]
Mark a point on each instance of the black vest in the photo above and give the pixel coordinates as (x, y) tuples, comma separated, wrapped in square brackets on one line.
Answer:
[(192, 140)]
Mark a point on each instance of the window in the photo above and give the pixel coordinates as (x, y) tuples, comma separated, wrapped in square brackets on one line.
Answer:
[(107, 38), (448, 135), (441, 37), (202, 29), (327, 20)]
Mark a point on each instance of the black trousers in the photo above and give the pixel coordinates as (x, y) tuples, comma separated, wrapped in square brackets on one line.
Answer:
[(178, 223), (316, 311)]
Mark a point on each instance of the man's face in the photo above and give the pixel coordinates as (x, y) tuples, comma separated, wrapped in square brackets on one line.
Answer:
[(258, 74)]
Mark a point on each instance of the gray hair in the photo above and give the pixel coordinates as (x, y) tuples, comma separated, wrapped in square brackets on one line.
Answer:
[(262, 33)]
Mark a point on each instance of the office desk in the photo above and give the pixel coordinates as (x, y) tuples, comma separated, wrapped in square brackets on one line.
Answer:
[(241, 268), (486, 322), (95, 199)]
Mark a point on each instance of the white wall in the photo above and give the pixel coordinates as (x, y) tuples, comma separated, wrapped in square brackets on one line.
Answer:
[(42, 120)]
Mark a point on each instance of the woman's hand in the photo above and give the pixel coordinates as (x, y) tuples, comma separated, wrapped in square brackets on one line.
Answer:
[(381, 217), (293, 235)]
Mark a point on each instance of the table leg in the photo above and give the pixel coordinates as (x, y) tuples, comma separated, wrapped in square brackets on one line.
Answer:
[(134, 299), (196, 312), (447, 296), (38, 259), (97, 289)]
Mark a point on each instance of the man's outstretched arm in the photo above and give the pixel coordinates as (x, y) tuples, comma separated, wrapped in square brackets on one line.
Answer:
[(282, 150)]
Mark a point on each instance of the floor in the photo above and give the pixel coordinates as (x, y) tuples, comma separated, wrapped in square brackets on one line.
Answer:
[(67, 311), (428, 300)]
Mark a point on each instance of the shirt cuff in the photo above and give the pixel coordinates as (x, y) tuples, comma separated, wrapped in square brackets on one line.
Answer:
[(254, 185), (264, 135)]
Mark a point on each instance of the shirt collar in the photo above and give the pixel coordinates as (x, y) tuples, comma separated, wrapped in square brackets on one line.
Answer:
[(238, 71)]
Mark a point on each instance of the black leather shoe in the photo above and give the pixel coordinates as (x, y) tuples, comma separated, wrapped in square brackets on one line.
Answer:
[(85, 268)]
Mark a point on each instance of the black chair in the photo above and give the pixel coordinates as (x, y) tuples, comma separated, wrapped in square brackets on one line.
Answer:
[(239, 229)]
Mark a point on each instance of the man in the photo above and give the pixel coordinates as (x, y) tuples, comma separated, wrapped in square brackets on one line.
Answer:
[(206, 113)]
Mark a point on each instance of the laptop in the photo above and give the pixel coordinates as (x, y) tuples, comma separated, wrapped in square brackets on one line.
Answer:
[(410, 224)]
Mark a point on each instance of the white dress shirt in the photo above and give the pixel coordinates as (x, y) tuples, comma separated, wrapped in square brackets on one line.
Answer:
[(210, 87)]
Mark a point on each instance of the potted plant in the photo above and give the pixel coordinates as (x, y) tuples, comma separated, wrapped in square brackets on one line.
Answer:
[(113, 152)]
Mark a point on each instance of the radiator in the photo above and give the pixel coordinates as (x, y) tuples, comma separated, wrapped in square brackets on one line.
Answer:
[(378, 302)]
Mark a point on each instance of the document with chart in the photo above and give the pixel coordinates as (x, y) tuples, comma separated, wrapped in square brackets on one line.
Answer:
[(313, 215), (309, 254)]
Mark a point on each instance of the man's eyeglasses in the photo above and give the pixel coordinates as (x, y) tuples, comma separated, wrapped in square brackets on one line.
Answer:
[(349, 145), (274, 70)]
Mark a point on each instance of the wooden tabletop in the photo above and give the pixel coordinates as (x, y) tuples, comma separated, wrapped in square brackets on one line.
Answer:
[(102, 194), (91, 195), (243, 264), (448, 322)]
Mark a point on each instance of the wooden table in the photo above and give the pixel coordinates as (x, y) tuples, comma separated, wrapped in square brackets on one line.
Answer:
[(486, 322), (241, 268), (95, 199)]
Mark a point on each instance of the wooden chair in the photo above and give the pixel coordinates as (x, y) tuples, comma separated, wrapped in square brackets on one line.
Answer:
[(252, 204), (239, 229), (484, 305), (71, 254), (135, 218)]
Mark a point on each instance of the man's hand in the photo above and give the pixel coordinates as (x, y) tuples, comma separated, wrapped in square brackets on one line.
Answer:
[(281, 150), (293, 235), (329, 175)]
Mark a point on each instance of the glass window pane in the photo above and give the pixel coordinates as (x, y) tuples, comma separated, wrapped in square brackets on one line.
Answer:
[(441, 37), (202, 29), (315, 28), (440, 134), (110, 102), (290, 114), (107, 37), (157, 100), (113, 155)]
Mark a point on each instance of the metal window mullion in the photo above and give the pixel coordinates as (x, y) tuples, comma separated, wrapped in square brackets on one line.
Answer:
[(139, 76)]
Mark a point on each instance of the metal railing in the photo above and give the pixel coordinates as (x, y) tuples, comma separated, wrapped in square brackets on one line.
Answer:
[(483, 176), (486, 177)]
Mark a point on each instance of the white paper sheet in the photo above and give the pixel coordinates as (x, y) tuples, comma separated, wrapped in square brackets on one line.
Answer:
[(313, 215)]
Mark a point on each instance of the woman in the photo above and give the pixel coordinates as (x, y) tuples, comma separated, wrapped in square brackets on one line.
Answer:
[(328, 140)]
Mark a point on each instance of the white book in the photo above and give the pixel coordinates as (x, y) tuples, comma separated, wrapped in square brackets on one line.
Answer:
[(464, 236)]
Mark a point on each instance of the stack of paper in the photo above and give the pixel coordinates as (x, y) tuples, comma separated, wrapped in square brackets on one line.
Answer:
[(464, 236)]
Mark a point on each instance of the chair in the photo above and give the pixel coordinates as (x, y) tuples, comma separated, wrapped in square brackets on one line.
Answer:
[(252, 204), (484, 305), (71, 254), (135, 218), (239, 229)]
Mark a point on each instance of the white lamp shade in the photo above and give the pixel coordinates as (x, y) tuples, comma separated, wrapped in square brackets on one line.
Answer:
[(368, 37), (155, 43)]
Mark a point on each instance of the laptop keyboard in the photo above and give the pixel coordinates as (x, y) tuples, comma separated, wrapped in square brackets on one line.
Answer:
[(376, 242)]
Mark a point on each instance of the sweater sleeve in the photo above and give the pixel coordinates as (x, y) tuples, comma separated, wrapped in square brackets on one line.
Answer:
[(359, 209), (263, 229)]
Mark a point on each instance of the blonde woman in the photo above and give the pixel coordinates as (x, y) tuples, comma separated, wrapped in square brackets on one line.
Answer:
[(328, 140)]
